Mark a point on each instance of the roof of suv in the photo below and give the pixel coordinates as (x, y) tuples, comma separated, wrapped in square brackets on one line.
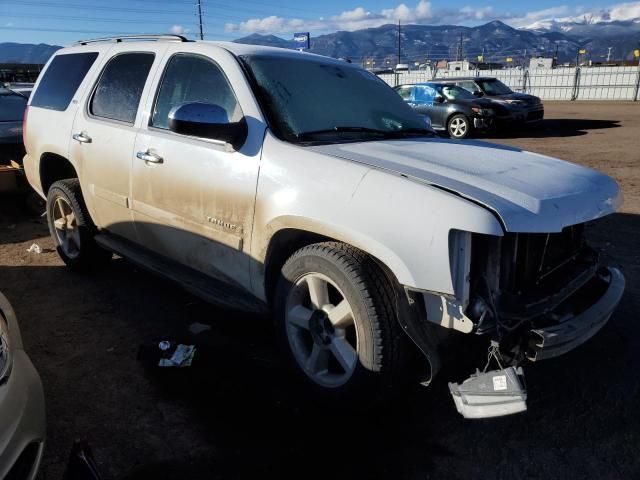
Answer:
[(234, 48)]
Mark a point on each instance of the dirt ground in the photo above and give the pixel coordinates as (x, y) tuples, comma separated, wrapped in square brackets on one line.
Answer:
[(236, 413)]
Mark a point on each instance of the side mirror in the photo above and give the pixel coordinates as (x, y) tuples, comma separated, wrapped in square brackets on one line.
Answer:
[(207, 120), (478, 93), (438, 99)]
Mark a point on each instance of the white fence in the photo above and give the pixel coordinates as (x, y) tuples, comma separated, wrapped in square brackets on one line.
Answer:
[(583, 83)]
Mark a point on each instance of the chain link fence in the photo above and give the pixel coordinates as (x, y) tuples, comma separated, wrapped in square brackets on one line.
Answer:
[(582, 83)]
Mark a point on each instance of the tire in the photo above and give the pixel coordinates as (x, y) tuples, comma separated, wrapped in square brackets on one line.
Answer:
[(459, 126), (379, 346), (71, 227)]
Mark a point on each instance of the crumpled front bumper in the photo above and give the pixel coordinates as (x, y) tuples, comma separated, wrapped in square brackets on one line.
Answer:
[(558, 339)]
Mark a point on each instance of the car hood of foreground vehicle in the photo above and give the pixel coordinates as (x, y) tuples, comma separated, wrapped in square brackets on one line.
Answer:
[(528, 191)]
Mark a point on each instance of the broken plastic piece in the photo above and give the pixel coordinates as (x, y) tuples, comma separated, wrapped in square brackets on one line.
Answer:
[(491, 394), (182, 357), (34, 248)]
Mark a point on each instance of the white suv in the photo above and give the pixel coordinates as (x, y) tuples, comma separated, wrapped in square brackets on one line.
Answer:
[(273, 180)]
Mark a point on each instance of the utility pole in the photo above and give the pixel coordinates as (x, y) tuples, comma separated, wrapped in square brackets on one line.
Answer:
[(200, 19), (609, 54), (399, 43), (459, 55)]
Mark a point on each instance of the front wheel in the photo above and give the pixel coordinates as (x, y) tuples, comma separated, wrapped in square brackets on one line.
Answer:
[(336, 319), (459, 127)]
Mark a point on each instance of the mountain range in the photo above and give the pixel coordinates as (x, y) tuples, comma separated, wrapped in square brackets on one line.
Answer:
[(496, 39), (420, 42)]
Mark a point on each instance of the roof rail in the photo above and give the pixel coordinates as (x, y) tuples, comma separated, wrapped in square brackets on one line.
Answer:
[(122, 38)]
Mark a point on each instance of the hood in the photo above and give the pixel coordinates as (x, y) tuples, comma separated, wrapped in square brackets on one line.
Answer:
[(523, 97), (529, 192)]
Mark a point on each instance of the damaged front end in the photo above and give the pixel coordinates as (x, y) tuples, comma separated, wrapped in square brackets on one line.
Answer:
[(535, 295), (539, 295)]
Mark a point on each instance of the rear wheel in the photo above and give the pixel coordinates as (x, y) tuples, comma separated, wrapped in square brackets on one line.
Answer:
[(71, 227), (459, 126), (336, 319)]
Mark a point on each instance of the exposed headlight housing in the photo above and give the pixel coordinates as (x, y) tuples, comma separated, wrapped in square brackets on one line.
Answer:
[(6, 357)]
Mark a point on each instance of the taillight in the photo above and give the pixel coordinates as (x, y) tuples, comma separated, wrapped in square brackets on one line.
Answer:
[(24, 126)]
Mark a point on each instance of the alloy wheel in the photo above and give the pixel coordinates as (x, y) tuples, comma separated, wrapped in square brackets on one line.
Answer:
[(321, 330), (66, 227)]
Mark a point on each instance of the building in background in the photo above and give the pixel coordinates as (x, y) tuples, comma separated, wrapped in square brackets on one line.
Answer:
[(19, 72), (541, 62)]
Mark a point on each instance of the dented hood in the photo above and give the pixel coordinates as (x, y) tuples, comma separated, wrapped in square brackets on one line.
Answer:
[(528, 191)]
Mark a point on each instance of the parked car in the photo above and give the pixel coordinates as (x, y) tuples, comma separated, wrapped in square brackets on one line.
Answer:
[(453, 109), (22, 417), (526, 108), (12, 106), (402, 68), (340, 213)]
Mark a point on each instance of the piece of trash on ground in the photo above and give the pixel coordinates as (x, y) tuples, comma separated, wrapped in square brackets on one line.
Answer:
[(34, 248), (197, 328), (182, 357)]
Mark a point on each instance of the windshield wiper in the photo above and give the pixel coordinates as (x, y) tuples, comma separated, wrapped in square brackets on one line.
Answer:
[(340, 130), (367, 130)]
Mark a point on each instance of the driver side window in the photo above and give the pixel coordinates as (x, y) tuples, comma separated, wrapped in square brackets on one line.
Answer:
[(193, 78)]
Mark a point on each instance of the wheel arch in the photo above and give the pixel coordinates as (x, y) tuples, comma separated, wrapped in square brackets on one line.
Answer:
[(453, 114), (54, 167), (288, 239)]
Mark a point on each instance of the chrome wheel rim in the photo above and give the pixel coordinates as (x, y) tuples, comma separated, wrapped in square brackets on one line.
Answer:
[(66, 227), (321, 330), (458, 127)]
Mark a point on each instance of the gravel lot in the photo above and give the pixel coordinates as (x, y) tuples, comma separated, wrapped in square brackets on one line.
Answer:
[(235, 413)]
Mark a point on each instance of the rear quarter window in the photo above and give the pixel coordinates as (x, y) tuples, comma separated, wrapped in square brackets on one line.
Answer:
[(62, 79)]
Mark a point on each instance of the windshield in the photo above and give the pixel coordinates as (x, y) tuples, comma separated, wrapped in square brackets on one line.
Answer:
[(452, 92), (11, 106), (494, 87), (317, 100)]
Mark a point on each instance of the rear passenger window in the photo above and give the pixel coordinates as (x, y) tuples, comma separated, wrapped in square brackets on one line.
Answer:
[(193, 78), (469, 86), (62, 79), (119, 89)]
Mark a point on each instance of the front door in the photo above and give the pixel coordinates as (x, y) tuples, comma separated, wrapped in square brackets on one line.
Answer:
[(103, 138), (424, 98), (193, 199)]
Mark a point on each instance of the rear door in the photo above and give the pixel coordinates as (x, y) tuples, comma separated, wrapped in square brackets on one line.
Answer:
[(194, 203), (104, 133)]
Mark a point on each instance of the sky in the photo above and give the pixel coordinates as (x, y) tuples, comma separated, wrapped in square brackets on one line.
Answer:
[(62, 22)]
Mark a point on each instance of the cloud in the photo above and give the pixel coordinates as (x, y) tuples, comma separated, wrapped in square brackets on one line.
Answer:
[(564, 14), (348, 20), (424, 13), (178, 30)]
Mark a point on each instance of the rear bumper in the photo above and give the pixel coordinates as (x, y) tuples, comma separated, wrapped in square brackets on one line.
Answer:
[(558, 339)]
